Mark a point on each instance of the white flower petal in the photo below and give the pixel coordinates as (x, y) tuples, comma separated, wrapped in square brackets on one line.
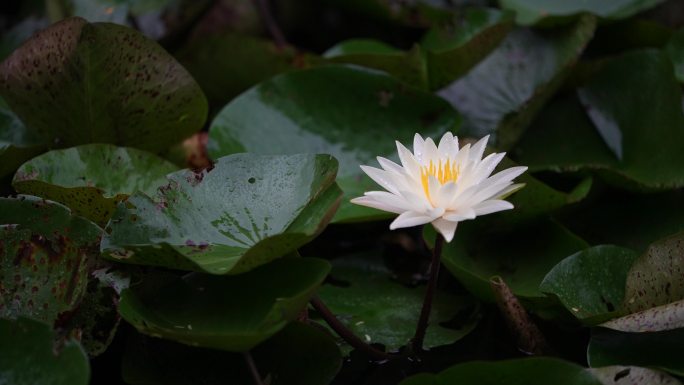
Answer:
[(418, 202), (430, 152), (446, 195), (410, 164), (388, 165), (491, 206), (507, 175), (381, 177), (418, 144), (509, 190), (433, 188), (478, 149), (375, 204), (461, 215), (446, 145), (409, 219), (397, 201), (488, 164), (446, 228)]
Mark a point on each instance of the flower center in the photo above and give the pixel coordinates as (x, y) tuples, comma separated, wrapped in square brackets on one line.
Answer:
[(444, 172)]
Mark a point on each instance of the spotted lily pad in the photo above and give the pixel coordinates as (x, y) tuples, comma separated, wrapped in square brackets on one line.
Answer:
[(75, 83), (29, 356), (364, 297), (355, 114), (44, 258), (91, 179), (233, 313), (246, 211)]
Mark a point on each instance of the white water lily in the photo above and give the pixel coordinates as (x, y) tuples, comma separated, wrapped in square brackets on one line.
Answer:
[(440, 184)]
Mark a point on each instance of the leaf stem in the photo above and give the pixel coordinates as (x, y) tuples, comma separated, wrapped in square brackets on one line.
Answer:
[(252, 368), (345, 333), (417, 342)]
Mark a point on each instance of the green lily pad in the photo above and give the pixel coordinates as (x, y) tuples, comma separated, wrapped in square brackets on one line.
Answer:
[(375, 308), (477, 253), (354, 114), (16, 144), (591, 283), (504, 92), (225, 65), (660, 349), (526, 371), (298, 354), (535, 11), (656, 277), (613, 140), (29, 356), (246, 211), (59, 82), (233, 313), (92, 179), (44, 258), (445, 54)]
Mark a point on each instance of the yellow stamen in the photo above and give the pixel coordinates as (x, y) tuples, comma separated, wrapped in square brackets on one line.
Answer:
[(444, 172)]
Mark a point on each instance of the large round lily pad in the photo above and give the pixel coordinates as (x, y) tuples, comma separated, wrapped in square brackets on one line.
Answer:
[(246, 211), (75, 83), (29, 356), (476, 254), (615, 131), (591, 283), (91, 179), (502, 94), (352, 113), (233, 313), (380, 311), (45, 252)]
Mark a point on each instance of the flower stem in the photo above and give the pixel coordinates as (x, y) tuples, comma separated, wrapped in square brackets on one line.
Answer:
[(429, 294), (252, 368), (345, 333)]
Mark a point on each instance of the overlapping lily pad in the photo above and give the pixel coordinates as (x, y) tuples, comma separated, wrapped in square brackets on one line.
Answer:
[(477, 253), (364, 297), (44, 258), (298, 354), (30, 357), (549, 11), (446, 53), (246, 211), (591, 283), (675, 50), (352, 113), (504, 92), (91, 179), (623, 132), (233, 313), (55, 83)]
